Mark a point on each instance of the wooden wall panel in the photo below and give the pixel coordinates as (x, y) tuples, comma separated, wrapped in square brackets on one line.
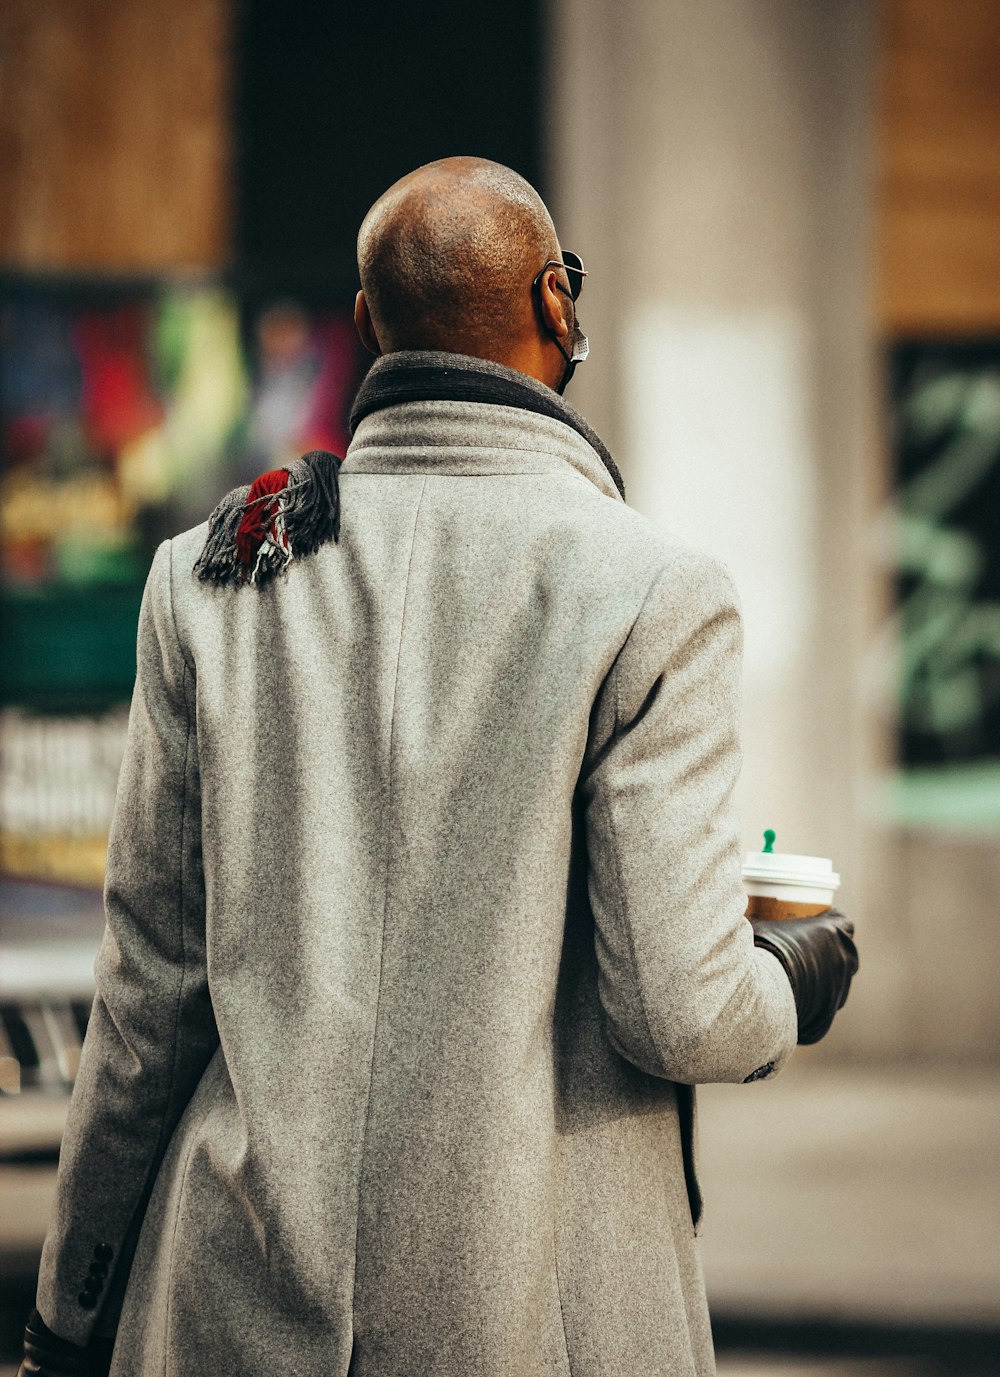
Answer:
[(939, 194), (114, 142), (939, 250)]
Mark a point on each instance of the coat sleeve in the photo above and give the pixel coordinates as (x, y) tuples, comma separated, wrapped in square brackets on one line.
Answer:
[(151, 1030), (686, 994)]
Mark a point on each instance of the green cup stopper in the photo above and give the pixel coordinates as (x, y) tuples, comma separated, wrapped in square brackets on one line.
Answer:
[(769, 842)]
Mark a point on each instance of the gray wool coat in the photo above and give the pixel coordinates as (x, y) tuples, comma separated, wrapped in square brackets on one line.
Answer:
[(423, 894)]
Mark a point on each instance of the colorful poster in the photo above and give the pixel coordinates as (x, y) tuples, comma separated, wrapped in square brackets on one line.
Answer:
[(125, 414)]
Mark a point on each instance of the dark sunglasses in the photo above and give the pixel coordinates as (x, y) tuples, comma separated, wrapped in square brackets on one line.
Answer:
[(575, 271)]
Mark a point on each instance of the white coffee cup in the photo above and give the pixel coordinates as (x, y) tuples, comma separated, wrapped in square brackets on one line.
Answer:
[(780, 885)]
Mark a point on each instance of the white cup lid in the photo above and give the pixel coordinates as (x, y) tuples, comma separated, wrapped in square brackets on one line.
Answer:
[(816, 872)]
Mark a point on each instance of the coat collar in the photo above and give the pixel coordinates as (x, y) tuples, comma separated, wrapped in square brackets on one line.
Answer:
[(469, 439), (466, 415)]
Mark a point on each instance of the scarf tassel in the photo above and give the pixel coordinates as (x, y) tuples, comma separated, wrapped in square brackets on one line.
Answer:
[(256, 531)]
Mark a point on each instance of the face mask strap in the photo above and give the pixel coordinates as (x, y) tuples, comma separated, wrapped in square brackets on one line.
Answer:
[(581, 347)]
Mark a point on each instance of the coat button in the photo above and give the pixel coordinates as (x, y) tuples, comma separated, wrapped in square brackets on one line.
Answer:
[(104, 1252), (761, 1073), (87, 1299), (98, 1271)]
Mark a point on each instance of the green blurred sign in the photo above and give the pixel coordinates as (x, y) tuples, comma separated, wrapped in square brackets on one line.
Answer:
[(68, 649)]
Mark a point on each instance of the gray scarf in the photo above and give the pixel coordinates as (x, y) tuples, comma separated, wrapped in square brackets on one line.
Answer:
[(424, 375), (257, 530)]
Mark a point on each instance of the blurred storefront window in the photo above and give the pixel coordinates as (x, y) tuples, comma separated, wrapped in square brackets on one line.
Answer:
[(126, 411), (946, 546)]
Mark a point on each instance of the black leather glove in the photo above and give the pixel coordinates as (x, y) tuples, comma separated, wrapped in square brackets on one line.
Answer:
[(820, 959), (46, 1355)]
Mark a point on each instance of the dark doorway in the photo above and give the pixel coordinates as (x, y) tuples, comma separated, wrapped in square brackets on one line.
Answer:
[(335, 101)]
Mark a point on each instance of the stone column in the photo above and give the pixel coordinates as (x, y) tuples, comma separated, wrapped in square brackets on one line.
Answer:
[(710, 161)]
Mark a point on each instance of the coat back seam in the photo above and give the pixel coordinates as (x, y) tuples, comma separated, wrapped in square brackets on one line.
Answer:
[(385, 904)]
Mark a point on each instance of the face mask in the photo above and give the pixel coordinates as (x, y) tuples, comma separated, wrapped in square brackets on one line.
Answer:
[(580, 348)]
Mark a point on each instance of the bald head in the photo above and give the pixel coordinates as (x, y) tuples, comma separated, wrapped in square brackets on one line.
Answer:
[(447, 257)]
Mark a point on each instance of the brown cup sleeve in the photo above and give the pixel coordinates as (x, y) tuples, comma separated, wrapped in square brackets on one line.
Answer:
[(770, 907)]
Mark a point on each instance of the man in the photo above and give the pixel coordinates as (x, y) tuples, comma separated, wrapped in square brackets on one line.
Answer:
[(424, 898)]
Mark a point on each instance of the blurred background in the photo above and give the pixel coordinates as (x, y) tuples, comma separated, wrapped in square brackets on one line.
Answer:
[(791, 216)]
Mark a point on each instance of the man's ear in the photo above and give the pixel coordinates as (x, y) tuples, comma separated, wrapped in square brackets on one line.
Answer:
[(554, 305), (364, 326)]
